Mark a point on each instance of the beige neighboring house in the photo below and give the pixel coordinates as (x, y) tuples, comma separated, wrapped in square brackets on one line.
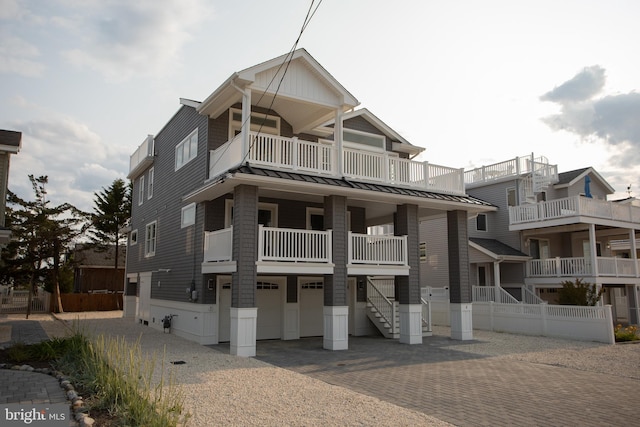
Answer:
[(10, 143)]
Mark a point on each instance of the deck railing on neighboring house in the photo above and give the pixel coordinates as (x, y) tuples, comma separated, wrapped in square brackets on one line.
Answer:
[(580, 267), (320, 158), (142, 156), (297, 245), (573, 207), (538, 166)]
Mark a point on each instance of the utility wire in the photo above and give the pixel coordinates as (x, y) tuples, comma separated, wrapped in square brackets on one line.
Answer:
[(285, 63)]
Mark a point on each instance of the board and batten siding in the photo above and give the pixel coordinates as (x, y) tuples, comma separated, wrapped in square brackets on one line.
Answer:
[(178, 249)]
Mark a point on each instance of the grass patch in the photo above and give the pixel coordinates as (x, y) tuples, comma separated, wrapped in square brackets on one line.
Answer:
[(114, 377)]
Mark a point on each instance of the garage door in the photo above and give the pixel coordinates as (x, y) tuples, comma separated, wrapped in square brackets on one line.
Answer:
[(311, 307), (269, 302)]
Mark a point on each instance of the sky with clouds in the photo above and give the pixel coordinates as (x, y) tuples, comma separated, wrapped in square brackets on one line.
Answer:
[(474, 83)]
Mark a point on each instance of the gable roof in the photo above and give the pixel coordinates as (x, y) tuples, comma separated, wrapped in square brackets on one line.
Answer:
[(296, 77), (10, 141), (567, 179), (91, 257), (497, 250)]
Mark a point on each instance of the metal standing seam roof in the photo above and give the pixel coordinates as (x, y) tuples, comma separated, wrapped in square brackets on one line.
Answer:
[(497, 247), (344, 183)]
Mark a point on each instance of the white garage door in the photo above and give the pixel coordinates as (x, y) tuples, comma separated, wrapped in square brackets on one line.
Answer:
[(311, 307), (269, 302)]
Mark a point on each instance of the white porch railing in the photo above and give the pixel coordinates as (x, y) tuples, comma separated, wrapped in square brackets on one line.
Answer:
[(488, 293), (321, 158), (571, 207), (541, 169), (291, 245), (142, 153), (218, 245), (380, 250), (580, 266)]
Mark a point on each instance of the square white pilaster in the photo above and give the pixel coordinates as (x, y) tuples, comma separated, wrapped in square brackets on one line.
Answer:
[(461, 322), (411, 323), (336, 327), (243, 331), (129, 306)]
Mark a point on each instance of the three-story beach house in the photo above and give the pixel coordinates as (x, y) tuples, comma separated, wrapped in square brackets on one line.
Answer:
[(251, 212)]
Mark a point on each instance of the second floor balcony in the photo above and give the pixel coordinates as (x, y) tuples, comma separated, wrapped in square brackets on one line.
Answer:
[(141, 158), (575, 267), (321, 158), (572, 210), (285, 250)]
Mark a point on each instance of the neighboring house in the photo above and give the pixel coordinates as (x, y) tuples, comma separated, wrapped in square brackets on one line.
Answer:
[(10, 143), (251, 209), (549, 227), (95, 270)]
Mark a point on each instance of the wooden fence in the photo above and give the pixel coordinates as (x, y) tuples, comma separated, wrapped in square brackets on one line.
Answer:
[(91, 302)]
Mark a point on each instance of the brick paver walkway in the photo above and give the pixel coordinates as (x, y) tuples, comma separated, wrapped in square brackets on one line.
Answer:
[(463, 388)]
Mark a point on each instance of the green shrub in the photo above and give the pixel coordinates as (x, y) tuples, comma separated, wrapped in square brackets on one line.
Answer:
[(579, 293)]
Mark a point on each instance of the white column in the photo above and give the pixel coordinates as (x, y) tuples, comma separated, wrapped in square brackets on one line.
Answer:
[(337, 138), (411, 323), (496, 278), (243, 331), (246, 122), (594, 252), (461, 321), (336, 327), (634, 250)]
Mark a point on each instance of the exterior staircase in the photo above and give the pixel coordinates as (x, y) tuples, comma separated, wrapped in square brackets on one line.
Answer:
[(383, 310)]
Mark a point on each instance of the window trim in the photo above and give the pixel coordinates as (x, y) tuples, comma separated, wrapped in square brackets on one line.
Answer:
[(515, 196), (180, 148), (486, 223), (354, 144), (133, 237), (185, 209), (141, 191), (150, 183), (236, 125), (228, 209), (147, 252)]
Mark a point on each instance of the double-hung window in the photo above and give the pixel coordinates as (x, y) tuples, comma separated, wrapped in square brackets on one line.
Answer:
[(150, 237), (187, 150), (150, 189), (141, 191)]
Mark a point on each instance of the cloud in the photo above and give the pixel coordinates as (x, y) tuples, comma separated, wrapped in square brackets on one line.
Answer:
[(612, 119), (582, 86), (17, 56), (73, 157), (123, 38)]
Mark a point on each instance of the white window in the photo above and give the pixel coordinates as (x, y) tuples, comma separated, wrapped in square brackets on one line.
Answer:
[(141, 190), (370, 140), (150, 236), (481, 222), (187, 150), (511, 196), (267, 214), (133, 238), (188, 215), (263, 123), (150, 189)]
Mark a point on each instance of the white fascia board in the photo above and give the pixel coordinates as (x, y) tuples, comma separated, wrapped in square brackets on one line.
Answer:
[(10, 148), (190, 103)]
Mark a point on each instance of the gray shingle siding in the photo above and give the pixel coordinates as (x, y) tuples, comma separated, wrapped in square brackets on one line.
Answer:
[(174, 244), (459, 283), (408, 287)]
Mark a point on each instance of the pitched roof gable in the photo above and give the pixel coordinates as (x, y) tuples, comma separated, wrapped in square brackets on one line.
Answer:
[(567, 179)]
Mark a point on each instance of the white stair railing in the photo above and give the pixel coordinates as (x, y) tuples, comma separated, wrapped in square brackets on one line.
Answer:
[(383, 305), (529, 297)]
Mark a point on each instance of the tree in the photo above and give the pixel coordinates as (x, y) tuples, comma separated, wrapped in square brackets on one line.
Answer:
[(579, 293), (41, 234), (112, 210)]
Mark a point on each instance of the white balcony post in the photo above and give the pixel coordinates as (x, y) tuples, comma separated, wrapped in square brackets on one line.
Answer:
[(260, 242), (349, 248), (558, 267), (634, 253), (594, 253), (294, 153), (496, 274), (425, 166), (246, 122), (337, 137)]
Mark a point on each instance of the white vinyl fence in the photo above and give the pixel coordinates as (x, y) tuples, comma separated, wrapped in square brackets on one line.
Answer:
[(17, 301), (559, 321)]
